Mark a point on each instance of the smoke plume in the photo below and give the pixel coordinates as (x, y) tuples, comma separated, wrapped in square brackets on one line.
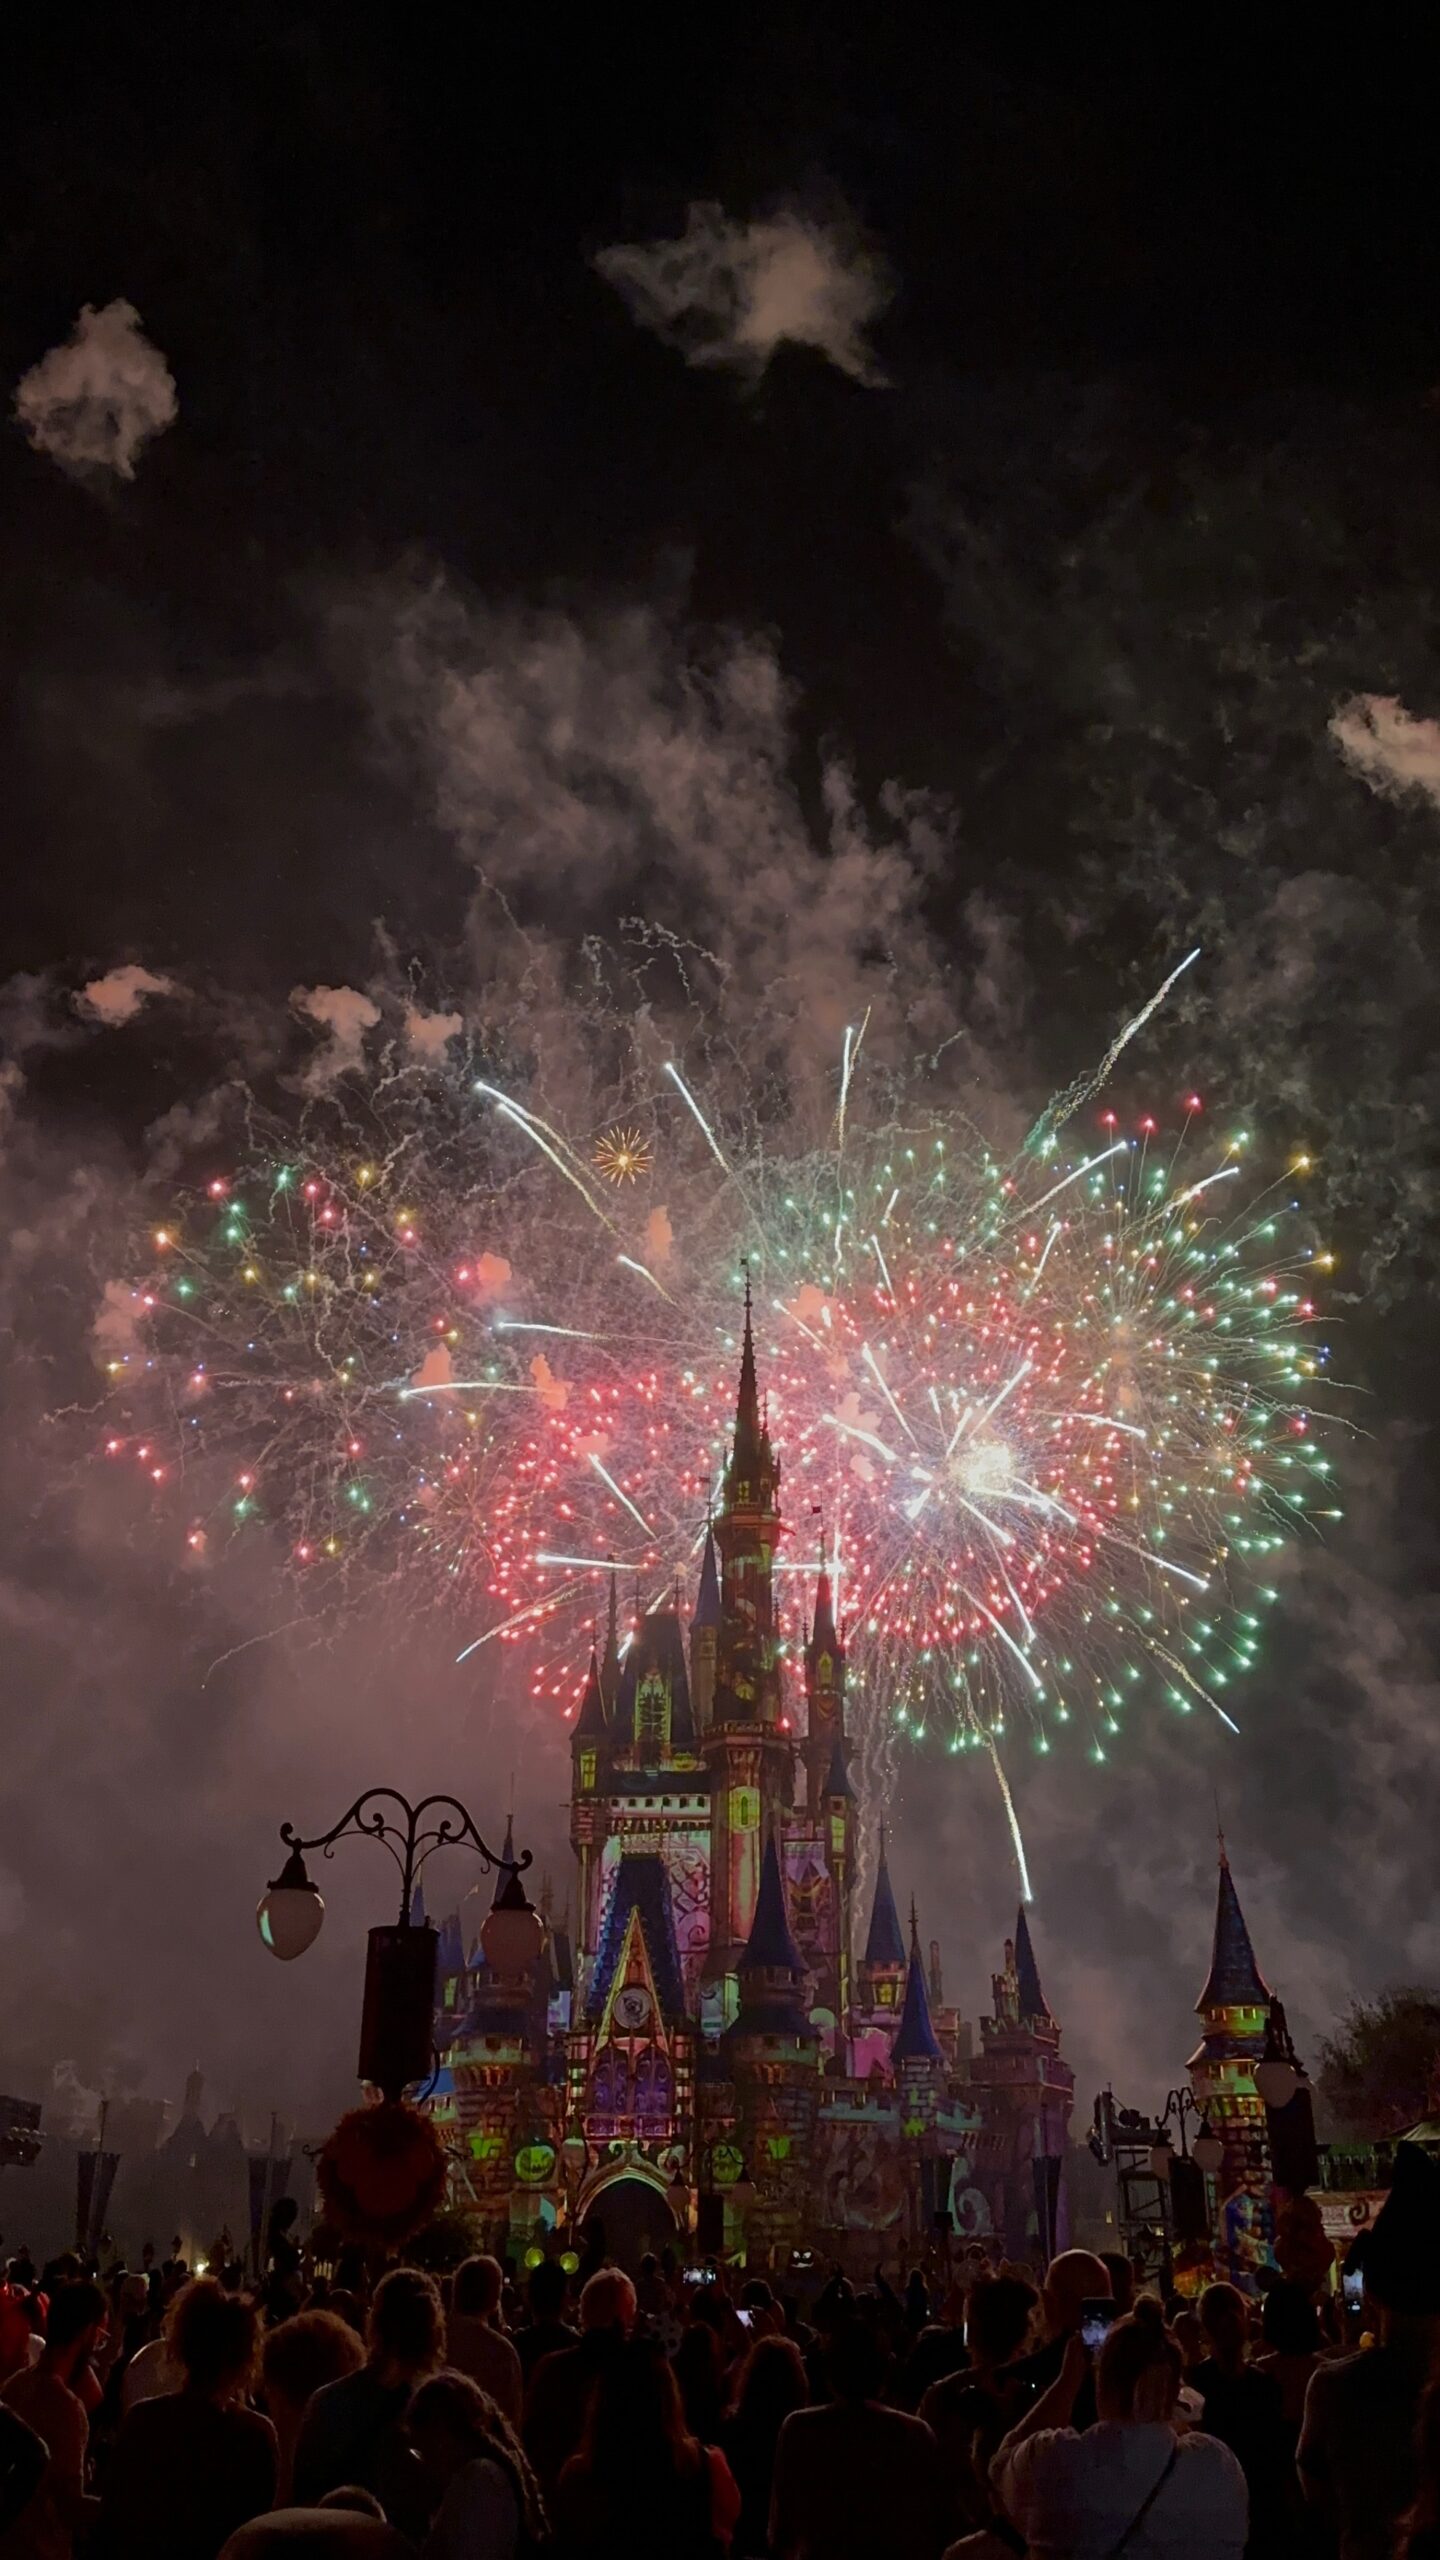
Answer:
[(732, 293), (95, 402)]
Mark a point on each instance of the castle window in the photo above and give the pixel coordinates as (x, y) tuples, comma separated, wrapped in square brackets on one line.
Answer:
[(611, 2092), (587, 1769), (652, 1711), (654, 2086)]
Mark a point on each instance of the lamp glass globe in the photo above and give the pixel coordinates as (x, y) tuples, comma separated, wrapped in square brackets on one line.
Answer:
[(512, 1935), (1208, 2152), (1276, 2082), (288, 1917)]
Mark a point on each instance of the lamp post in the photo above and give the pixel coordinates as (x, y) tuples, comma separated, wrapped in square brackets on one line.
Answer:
[(1278, 2073), (1207, 2151), (396, 2028), (1184, 2194), (1286, 2095)]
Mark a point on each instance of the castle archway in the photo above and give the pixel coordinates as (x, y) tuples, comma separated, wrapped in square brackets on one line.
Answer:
[(635, 2215)]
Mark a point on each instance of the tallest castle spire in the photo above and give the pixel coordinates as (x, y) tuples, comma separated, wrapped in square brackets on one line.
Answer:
[(750, 1457), (747, 1745)]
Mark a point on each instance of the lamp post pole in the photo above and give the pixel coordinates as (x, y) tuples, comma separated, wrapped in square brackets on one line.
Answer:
[(1184, 2203), (396, 2028)]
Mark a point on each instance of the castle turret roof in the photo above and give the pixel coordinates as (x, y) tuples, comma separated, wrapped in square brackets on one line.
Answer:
[(916, 2040), (885, 1944), (1234, 1980), (707, 1599), (590, 1724), (771, 1944), (1032, 2001)]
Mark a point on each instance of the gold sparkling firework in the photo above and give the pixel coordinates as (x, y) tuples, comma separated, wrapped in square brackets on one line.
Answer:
[(622, 1155)]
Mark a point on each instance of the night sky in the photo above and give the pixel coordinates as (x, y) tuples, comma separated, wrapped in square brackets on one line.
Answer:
[(1086, 518)]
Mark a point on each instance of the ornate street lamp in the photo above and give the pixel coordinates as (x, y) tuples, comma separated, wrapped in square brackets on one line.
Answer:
[(1162, 2153), (290, 1912), (1207, 2150), (396, 2029), (1277, 2073)]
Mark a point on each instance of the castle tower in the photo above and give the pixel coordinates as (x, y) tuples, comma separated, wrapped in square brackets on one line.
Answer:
[(1234, 2010), (918, 2061), (1026, 2093), (772, 2054), (824, 1693), (610, 1666), (590, 1784), (705, 1637), (883, 1965), (879, 1981), (837, 1807), (746, 1747)]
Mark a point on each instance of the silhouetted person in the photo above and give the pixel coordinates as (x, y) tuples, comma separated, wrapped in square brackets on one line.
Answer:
[(1357, 2445), (488, 2502), (353, 2430), (547, 2332), (1128, 2482), (856, 2479), (298, 2359), (772, 2382), (475, 2343), (970, 2412), (642, 2487), (191, 2466), (1071, 2280), (559, 2400), (1244, 2409), (699, 2371), (45, 2396)]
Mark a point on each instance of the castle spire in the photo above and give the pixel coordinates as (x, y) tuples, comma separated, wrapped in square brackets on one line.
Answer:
[(505, 1866), (1031, 2001), (590, 1724), (610, 1669), (885, 1944), (824, 1637), (749, 1430), (771, 1945), (1235, 1980), (916, 2041), (707, 1598)]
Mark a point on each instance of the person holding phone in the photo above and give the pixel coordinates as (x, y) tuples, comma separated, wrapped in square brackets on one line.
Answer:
[(1129, 2484), (1073, 2280)]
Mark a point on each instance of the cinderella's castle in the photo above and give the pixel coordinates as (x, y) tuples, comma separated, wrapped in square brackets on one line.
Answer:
[(705, 2058)]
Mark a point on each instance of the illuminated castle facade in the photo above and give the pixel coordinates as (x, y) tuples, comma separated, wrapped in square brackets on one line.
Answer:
[(1234, 2012), (703, 2059)]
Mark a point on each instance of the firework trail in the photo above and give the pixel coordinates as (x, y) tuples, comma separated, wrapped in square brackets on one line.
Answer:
[(1058, 1415)]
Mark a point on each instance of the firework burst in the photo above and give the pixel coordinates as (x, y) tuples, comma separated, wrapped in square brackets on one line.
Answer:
[(1058, 1414), (622, 1155)]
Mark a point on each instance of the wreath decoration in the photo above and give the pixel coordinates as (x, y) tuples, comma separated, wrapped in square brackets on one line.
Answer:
[(382, 2174)]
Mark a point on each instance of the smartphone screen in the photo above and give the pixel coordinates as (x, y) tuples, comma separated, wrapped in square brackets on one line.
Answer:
[(1353, 2286), (1096, 2318), (746, 2319)]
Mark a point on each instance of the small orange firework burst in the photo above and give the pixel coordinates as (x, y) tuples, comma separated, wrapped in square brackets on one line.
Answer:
[(622, 1155)]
